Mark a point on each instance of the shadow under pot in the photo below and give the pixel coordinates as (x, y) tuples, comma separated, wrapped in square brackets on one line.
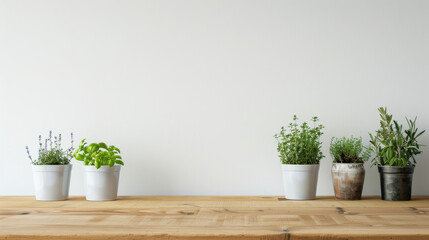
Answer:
[(300, 181), (102, 184), (348, 180), (51, 182), (396, 182)]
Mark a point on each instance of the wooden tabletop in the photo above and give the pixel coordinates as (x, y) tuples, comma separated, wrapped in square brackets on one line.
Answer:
[(213, 218)]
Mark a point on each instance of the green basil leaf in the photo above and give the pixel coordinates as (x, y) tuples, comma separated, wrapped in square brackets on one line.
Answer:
[(102, 145)]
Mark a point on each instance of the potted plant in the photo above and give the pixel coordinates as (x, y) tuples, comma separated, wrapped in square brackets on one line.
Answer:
[(348, 172), (102, 167), (52, 169), (300, 152), (395, 150)]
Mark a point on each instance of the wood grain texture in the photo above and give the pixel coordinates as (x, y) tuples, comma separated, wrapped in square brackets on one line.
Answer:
[(213, 218)]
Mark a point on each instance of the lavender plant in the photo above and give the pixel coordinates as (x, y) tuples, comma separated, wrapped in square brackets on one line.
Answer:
[(51, 152)]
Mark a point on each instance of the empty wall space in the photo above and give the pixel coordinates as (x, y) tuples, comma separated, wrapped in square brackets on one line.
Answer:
[(192, 91)]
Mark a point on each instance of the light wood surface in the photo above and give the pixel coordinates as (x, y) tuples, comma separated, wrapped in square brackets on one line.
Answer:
[(213, 218)]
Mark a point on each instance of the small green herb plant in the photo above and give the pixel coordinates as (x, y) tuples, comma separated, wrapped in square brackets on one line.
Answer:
[(51, 152), (393, 146), (300, 144), (98, 154), (348, 150)]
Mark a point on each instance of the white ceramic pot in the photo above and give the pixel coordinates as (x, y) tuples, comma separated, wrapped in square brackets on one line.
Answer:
[(51, 182), (300, 181), (102, 183)]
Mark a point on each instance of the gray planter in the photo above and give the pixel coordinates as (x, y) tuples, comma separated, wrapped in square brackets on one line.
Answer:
[(348, 179), (396, 182)]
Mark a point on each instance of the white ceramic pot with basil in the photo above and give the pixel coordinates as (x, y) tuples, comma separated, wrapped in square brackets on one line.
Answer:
[(395, 149), (102, 169), (299, 148), (102, 183), (52, 169)]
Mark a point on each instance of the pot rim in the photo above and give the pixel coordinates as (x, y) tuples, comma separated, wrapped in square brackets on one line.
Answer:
[(104, 168), (348, 163), (300, 167), (385, 166), (396, 169), (52, 165), (51, 168), (300, 164)]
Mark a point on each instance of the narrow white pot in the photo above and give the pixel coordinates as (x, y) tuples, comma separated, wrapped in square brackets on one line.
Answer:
[(51, 182), (300, 181), (102, 183)]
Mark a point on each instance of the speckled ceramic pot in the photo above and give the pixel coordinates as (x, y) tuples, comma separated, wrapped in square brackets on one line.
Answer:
[(348, 179)]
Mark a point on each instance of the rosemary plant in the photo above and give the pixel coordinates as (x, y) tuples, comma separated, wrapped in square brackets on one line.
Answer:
[(393, 146)]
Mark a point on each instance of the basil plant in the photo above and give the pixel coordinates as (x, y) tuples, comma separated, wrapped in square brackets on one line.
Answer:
[(98, 154)]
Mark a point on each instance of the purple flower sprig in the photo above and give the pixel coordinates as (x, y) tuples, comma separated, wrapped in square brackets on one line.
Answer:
[(71, 137), (52, 152), (50, 139), (29, 155)]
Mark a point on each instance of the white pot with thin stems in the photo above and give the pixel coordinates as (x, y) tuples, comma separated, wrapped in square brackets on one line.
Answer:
[(51, 182), (52, 169), (102, 184), (300, 181), (299, 149)]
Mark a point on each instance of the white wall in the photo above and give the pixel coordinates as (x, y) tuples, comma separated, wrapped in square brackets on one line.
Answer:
[(192, 92)]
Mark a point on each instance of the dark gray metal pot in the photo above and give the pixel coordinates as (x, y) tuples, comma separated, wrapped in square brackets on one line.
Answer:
[(396, 182), (348, 180)]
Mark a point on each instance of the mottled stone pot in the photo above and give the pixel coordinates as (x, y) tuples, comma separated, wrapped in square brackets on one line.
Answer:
[(396, 182), (348, 180)]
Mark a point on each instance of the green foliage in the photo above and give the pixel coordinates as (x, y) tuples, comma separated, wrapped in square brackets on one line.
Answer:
[(51, 153), (98, 154), (348, 150), (392, 145), (300, 144)]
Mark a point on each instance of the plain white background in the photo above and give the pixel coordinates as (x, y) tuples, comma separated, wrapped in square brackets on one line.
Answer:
[(192, 92)]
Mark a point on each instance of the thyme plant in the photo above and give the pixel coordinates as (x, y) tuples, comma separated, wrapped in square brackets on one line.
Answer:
[(393, 146), (348, 150), (51, 152), (98, 154), (300, 144)]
